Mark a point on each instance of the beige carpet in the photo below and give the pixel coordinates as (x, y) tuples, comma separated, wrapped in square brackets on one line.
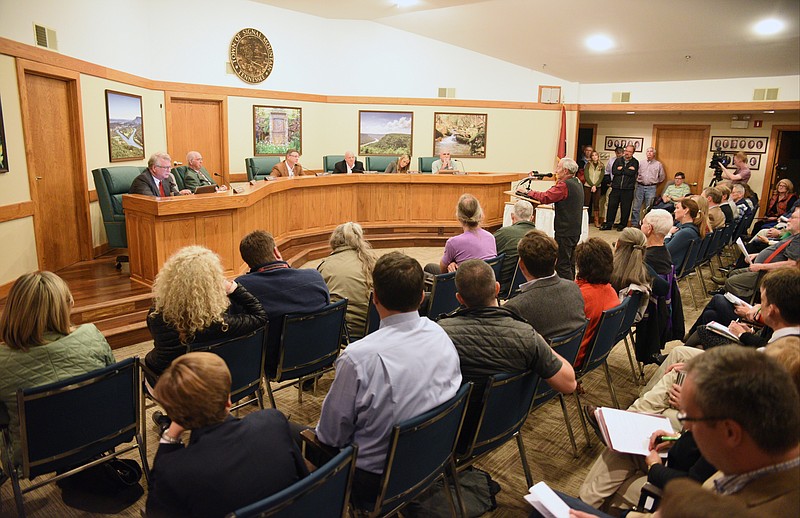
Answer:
[(544, 433)]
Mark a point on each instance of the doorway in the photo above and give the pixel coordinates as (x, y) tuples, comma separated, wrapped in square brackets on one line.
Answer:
[(783, 161), (52, 126), (198, 124), (682, 148)]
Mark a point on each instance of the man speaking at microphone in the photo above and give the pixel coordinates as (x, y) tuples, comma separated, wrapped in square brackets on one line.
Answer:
[(567, 197)]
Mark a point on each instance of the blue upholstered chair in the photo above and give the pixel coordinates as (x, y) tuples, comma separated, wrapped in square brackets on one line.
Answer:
[(378, 163), (309, 345), (65, 425), (323, 494), (373, 318), (426, 163), (513, 287), (497, 265), (443, 295), (111, 183), (329, 161), (260, 167)]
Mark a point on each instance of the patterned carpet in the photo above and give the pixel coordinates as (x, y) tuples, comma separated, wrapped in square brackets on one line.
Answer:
[(548, 447)]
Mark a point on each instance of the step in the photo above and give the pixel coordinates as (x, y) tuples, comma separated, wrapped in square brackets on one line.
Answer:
[(112, 308)]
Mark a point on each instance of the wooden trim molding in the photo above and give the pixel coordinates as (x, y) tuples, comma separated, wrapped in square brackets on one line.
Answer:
[(778, 106), (14, 211), (92, 196)]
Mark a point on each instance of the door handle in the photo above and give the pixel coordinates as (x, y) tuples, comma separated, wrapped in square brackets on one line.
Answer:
[(38, 177)]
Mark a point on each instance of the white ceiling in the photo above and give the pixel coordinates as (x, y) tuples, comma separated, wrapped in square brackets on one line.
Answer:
[(653, 37)]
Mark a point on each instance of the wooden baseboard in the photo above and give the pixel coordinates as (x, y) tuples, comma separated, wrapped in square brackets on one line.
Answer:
[(101, 249)]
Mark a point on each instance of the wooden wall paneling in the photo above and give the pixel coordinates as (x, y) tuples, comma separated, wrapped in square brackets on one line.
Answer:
[(55, 154), (213, 231), (198, 123)]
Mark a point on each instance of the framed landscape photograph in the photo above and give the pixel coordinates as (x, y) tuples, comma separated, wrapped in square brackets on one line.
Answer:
[(464, 134), (276, 129), (385, 133), (3, 151), (125, 126)]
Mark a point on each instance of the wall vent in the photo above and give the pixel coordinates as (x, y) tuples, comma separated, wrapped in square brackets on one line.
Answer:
[(448, 93), (620, 97), (45, 37), (765, 94)]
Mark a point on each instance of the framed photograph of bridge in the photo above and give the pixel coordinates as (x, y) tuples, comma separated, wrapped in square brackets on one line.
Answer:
[(125, 126), (385, 133), (277, 129), (464, 134)]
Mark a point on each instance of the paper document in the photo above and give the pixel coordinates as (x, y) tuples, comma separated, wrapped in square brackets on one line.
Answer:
[(745, 253), (722, 330), (736, 301), (629, 432), (546, 501)]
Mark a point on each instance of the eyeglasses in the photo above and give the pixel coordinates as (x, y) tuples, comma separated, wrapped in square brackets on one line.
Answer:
[(162, 167), (683, 418)]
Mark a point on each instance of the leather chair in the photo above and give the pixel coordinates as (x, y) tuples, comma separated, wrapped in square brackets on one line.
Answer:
[(259, 167), (378, 163), (111, 183), (177, 173), (329, 161), (426, 163)]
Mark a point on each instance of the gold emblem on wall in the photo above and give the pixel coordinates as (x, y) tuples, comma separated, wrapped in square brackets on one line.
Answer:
[(251, 56)]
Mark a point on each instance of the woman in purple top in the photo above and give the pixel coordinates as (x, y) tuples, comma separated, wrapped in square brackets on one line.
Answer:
[(474, 243)]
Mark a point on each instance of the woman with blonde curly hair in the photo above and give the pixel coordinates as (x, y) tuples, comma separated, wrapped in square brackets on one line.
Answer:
[(348, 274), (39, 345), (191, 303)]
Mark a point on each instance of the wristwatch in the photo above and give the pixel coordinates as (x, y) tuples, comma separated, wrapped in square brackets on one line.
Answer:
[(168, 439)]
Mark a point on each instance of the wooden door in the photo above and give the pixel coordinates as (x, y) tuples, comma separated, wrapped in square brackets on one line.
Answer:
[(56, 165), (683, 148), (198, 124)]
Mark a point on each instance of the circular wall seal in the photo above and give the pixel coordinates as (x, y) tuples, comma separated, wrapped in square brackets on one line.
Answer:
[(251, 56)]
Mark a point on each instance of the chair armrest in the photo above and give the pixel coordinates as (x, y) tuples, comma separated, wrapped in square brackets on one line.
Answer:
[(650, 498), (317, 451)]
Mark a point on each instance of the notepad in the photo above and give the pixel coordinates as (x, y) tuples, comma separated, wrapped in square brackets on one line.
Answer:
[(629, 432), (722, 330), (736, 301), (546, 501)]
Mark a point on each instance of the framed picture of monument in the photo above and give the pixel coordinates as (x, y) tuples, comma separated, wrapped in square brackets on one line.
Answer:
[(385, 133), (464, 134), (125, 126), (276, 129)]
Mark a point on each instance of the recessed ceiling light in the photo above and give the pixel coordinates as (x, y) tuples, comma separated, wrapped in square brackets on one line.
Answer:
[(769, 26), (599, 42), (405, 3)]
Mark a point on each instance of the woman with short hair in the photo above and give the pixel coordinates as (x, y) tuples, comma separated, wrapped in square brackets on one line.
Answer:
[(348, 273), (40, 345)]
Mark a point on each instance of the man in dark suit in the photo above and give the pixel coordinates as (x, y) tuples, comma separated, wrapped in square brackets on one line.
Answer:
[(348, 165), (625, 171), (551, 304), (156, 180), (229, 462)]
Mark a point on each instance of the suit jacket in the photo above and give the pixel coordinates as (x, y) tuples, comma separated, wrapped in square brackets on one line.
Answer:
[(145, 184), (225, 467), (192, 179), (553, 306), (279, 170), (341, 167)]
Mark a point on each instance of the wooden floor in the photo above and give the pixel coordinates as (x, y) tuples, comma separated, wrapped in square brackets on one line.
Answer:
[(97, 283)]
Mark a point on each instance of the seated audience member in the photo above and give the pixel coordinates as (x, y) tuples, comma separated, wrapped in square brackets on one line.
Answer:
[(552, 305), (401, 165), (716, 217), (702, 204), (691, 224), (348, 274), (630, 270), (771, 233), (744, 205), (229, 462), (402, 370), (40, 346), (473, 243), (289, 167), (742, 281), (280, 288), (156, 179), (727, 205), (196, 175), (656, 224), (595, 262), (491, 339), (750, 195), (446, 164), (191, 302), (780, 202), (506, 239), (348, 165)]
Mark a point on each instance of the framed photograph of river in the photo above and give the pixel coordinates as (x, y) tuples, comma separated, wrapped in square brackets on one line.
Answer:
[(385, 133), (464, 134), (125, 126)]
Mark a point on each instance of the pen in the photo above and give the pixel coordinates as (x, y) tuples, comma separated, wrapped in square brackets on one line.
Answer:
[(665, 438)]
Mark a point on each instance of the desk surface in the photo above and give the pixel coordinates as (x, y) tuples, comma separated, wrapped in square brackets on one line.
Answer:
[(395, 210)]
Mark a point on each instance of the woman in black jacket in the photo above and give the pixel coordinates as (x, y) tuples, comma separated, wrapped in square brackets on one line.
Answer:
[(192, 303)]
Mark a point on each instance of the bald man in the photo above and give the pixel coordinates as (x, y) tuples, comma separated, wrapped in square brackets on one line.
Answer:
[(349, 165)]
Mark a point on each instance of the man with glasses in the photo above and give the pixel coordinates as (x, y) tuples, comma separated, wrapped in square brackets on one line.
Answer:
[(445, 164), (156, 180), (290, 166)]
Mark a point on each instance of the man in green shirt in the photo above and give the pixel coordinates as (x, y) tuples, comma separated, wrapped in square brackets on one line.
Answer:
[(506, 239), (673, 193)]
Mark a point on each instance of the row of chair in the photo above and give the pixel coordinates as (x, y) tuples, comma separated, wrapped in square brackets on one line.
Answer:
[(260, 167)]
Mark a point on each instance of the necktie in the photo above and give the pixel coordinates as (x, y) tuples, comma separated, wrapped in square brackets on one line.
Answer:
[(161, 188)]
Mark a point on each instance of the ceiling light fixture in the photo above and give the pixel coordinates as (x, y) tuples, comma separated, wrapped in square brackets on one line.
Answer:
[(769, 27), (599, 43), (405, 3)]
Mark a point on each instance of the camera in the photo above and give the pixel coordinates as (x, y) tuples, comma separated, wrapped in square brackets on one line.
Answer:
[(718, 161)]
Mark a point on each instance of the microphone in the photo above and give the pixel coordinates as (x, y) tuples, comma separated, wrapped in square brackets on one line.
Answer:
[(235, 191), (537, 175)]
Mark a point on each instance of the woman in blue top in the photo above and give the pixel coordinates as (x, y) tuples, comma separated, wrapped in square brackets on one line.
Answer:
[(690, 223)]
